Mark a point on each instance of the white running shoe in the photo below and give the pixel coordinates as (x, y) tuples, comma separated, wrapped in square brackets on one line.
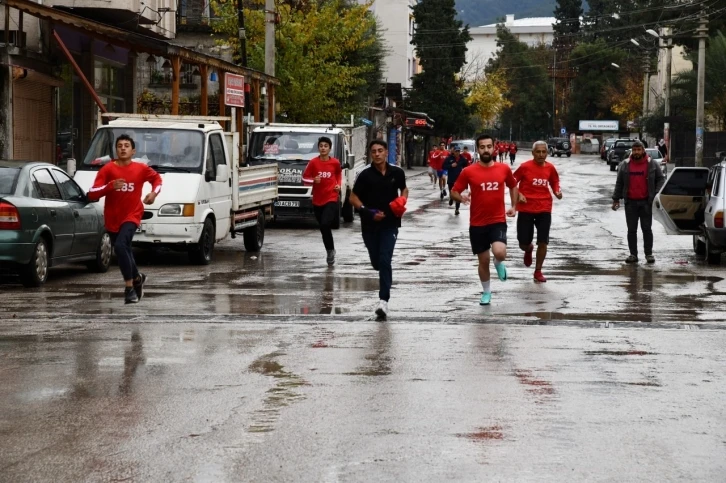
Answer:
[(331, 257), (382, 310)]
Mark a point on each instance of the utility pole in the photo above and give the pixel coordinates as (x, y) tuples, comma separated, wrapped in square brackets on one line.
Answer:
[(667, 36), (701, 35), (242, 34), (270, 37), (554, 93), (646, 83)]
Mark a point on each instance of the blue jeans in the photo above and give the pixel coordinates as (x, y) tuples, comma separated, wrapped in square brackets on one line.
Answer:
[(121, 242), (380, 245)]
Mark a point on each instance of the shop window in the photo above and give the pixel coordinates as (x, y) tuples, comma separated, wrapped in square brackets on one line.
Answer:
[(110, 86)]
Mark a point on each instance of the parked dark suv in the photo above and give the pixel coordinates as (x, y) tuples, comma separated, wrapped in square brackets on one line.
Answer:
[(559, 146), (617, 152)]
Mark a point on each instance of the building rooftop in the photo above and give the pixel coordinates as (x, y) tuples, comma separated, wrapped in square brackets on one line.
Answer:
[(526, 22)]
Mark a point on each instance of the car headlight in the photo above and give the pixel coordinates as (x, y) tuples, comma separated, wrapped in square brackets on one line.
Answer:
[(177, 209)]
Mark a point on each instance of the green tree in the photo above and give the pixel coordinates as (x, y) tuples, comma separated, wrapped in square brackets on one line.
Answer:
[(567, 13), (329, 54), (528, 94), (595, 75), (440, 42)]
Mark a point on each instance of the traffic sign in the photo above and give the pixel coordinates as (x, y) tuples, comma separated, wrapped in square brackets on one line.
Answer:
[(563, 130), (234, 90)]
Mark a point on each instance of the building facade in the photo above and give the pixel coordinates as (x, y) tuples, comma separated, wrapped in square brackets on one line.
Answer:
[(483, 46), (395, 19)]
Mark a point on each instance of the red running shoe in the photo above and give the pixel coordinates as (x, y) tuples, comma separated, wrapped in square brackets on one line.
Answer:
[(538, 277), (528, 256)]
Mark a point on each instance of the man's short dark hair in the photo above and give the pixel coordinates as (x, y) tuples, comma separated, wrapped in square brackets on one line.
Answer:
[(126, 137), (638, 144), (482, 137), (324, 139), (379, 142)]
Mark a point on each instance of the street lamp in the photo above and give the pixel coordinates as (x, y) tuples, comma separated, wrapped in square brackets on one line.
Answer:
[(615, 65), (637, 44)]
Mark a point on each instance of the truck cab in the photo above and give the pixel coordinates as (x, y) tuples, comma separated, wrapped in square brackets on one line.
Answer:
[(291, 147), (205, 195)]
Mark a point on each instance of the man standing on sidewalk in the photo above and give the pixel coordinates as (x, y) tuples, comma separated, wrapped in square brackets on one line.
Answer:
[(535, 179), (325, 174), (485, 181), (639, 179), (374, 190), (121, 181)]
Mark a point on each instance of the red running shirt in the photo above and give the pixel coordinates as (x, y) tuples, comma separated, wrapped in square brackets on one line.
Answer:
[(436, 159), (331, 174), (535, 182), (486, 185), (123, 205), (638, 173)]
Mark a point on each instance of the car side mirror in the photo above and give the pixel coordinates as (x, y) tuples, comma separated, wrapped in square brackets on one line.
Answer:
[(209, 175), (222, 173), (351, 161)]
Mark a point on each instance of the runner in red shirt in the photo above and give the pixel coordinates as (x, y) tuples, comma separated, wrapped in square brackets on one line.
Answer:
[(121, 181), (485, 181), (467, 155), (441, 173), (433, 162), (512, 153), (326, 176), (536, 178)]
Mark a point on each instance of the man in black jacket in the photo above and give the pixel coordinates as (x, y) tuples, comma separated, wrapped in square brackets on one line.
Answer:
[(639, 179), (453, 166)]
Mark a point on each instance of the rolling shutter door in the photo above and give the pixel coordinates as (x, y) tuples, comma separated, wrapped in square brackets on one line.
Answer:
[(33, 121)]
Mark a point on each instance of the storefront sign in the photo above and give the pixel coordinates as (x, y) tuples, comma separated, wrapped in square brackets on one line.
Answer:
[(599, 125), (234, 90)]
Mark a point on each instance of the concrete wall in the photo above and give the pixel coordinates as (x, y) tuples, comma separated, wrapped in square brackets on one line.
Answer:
[(149, 9), (396, 22)]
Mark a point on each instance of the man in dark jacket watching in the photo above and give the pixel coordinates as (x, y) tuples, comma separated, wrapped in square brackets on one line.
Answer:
[(639, 179)]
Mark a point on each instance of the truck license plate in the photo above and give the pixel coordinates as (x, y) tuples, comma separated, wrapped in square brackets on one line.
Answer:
[(287, 204)]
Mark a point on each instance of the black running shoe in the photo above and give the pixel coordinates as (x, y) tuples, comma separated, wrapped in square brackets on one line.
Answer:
[(130, 296), (139, 286)]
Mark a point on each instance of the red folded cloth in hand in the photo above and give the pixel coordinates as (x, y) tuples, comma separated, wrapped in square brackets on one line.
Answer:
[(398, 206)]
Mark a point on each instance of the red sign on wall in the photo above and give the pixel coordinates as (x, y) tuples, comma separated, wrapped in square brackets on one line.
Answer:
[(234, 90)]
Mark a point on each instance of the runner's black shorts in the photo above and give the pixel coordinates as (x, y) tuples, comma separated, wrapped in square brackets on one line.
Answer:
[(482, 237), (527, 222)]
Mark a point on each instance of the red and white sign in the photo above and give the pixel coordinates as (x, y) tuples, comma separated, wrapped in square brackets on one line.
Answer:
[(234, 90)]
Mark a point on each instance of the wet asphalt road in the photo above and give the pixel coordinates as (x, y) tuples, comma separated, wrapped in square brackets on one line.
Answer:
[(270, 367)]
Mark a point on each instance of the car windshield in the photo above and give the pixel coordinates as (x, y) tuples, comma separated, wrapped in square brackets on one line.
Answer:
[(170, 148), (609, 143), (653, 153), (281, 146), (624, 144), (8, 177)]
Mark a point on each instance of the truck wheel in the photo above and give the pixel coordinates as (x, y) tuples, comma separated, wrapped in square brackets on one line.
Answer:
[(698, 246), (712, 257), (102, 261), (569, 154), (254, 236), (336, 219), (35, 273), (612, 167), (201, 253), (347, 211)]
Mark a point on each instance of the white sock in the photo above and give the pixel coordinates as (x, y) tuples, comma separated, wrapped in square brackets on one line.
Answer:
[(497, 262), (486, 286)]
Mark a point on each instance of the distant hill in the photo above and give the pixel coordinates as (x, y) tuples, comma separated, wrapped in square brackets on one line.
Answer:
[(482, 12)]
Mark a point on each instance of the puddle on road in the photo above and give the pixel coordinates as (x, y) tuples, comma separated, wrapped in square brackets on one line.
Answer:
[(379, 361), (281, 395)]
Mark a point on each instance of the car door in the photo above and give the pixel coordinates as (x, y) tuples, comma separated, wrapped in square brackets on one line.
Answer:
[(218, 189), (87, 229), (713, 217), (680, 205), (58, 214)]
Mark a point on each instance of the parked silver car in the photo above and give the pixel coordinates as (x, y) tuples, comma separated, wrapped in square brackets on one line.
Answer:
[(691, 202)]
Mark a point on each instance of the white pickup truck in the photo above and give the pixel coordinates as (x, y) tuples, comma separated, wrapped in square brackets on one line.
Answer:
[(292, 146), (206, 195)]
